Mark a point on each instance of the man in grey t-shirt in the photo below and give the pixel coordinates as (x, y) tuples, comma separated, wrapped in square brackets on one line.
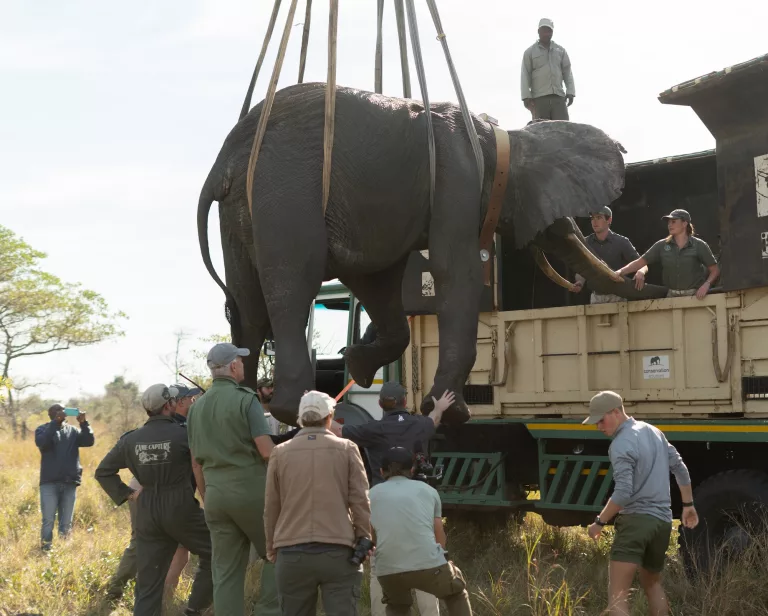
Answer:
[(406, 516), (642, 460), (614, 249)]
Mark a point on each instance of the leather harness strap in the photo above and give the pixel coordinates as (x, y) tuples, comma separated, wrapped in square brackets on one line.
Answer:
[(500, 178)]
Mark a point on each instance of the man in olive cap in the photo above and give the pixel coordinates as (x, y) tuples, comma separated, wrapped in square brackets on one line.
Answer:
[(642, 460), (230, 438), (167, 513), (546, 66)]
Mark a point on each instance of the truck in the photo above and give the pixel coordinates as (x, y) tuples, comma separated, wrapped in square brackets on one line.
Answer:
[(697, 369)]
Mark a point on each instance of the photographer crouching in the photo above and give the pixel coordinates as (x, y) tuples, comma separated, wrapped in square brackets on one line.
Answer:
[(317, 515), (406, 516)]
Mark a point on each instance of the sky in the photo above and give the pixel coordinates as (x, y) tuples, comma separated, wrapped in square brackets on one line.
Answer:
[(112, 114)]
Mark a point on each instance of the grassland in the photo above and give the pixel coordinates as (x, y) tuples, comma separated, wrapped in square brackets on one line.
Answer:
[(526, 569)]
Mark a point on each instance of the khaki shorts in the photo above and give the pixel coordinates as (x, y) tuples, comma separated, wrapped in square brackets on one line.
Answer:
[(642, 540)]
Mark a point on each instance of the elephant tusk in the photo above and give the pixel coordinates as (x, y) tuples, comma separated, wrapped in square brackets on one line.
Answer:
[(597, 263), (549, 271)]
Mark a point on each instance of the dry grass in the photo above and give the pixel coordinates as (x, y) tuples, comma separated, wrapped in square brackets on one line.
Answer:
[(531, 569)]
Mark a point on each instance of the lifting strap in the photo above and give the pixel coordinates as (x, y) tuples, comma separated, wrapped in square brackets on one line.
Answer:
[(499, 188), (330, 101), (404, 69), (268, 101), (471, 132), (267, 37), (377, 81), (414, 30), (305, 41)]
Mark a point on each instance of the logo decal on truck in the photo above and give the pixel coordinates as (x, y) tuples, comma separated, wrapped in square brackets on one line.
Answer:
[(761, 184), (656, 367)]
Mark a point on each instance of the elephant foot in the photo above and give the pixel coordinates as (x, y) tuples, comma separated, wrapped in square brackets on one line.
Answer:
[(363, 362), (457, 413), (285, 408)]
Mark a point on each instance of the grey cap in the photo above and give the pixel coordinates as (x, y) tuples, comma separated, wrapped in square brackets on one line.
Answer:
[(225, 353), (392, 390), (605, 211), (155, 397), (679, 214), (546, 23), (601, 404)]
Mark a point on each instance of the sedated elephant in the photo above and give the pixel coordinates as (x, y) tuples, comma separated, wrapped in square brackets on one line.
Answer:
[(378, 213)]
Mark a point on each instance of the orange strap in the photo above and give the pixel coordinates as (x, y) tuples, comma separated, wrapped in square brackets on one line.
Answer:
[(495, 201)]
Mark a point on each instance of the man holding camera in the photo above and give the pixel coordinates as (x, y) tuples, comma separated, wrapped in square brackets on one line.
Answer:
[(317, 515), (406, 516), (60, 470)]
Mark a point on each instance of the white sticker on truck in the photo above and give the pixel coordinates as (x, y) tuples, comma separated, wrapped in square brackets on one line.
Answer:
[(656, 366), (764, 243), (761, 184), (427, 285)]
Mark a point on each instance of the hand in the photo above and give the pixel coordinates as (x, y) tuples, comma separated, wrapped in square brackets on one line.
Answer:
[(577, 286), (620, 272), (133, 496), (639, 281), (447, 399), (690, 517), (336, 428), (703, 290), (595, 530), (81, 419), (528, 103), (569, 98), (272, 556)]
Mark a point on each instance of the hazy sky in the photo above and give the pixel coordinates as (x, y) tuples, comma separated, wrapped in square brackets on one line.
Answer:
[(112, 113)]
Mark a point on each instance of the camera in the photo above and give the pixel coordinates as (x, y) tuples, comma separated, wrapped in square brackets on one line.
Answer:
[(360, 551), (424, 470)]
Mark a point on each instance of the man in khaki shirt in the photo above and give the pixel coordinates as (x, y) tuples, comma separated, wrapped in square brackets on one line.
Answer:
[(316, 510)]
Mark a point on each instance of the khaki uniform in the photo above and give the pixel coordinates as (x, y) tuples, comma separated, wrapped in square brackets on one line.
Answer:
[(682, 269), (222, 424)]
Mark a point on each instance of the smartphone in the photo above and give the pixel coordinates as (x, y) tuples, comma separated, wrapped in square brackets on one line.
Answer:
[(71, 412)]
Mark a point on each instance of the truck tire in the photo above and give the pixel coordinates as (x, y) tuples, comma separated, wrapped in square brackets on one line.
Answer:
[(732, 508)]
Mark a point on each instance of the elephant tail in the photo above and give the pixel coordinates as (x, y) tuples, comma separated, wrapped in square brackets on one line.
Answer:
[(231, 311)]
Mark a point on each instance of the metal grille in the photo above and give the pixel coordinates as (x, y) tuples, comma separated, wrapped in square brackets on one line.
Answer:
[(478, 394), (754, 387)]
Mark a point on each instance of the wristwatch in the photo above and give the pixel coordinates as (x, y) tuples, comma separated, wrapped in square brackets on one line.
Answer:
[(688, 504), (598, 522)]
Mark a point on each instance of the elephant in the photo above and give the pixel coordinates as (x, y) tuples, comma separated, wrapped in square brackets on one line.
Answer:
[(378, 213)]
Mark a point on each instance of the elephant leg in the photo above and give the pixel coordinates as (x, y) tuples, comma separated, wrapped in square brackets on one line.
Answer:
[(291, 261), (454, 256), (381, 294), (254, 327)]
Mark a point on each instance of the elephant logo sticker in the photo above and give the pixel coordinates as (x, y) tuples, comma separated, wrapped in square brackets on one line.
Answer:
[(656, 367), (761, 184)]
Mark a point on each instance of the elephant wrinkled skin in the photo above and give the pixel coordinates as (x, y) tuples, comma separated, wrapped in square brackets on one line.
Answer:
[(378, 212)]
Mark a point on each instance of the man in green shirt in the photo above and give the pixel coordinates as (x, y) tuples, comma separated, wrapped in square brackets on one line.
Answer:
[(230, 439)]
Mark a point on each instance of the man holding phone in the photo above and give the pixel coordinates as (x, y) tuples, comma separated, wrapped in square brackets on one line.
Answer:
[(60, 470)]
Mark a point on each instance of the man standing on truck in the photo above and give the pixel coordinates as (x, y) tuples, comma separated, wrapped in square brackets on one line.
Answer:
[(642, 459), (546, 66), (614, 249), (397, 428)]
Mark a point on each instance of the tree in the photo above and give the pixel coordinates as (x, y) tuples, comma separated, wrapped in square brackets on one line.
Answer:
[(125, 395), (41, 314), (174, 361)]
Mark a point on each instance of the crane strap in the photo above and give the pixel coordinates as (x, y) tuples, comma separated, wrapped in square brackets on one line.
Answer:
[(267, 37), (496, 200), (330, 101)]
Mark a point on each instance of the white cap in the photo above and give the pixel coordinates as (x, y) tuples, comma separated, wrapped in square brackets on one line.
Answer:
[(547, 23), (316, 402)]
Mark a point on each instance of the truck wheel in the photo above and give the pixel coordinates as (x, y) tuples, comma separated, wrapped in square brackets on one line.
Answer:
[(732, 509)]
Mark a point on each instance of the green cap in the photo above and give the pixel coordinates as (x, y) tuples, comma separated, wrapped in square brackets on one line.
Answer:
[(601, 404)]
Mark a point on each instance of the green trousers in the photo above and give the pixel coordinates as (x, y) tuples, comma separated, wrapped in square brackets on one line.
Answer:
[(235, 516)]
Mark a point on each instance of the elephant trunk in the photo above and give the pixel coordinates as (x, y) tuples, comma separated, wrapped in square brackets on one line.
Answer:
[(203, 210)]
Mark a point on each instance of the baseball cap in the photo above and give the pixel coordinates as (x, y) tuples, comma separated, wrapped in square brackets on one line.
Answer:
[(316, 402), (186, 392), (602, 403), (680, 214), (396, 455), (225, 353), (392, 390), (605, 211), (155, 397), (546, 23)]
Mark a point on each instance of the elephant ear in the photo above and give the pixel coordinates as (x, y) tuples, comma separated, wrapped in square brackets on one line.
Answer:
[(560, 169)]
